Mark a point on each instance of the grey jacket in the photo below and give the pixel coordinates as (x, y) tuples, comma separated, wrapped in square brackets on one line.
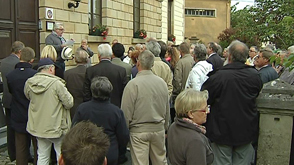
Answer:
[(7, 65), (55, 41)]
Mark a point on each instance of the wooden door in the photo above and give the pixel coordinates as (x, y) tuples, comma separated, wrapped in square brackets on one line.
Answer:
[(18, 22)]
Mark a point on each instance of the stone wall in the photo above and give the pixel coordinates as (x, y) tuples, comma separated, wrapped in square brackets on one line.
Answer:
[(179, 21)]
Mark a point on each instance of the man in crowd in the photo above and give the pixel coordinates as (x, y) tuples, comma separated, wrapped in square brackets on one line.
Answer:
[(253, 52), (8, 65), (49, 115), (84, 46), (118, 52), (233, 121), (58, 42), (75, 79), (213, 57), (266, 71), (160, 68), (84, 144), (287, 75), (116, 75), (145, 104), (20, 104), (163, 49)]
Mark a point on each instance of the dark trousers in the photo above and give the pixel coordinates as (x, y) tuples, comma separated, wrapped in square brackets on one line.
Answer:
[(10, 136), (22, 144)]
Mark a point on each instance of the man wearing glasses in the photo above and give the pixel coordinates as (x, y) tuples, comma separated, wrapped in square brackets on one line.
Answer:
[(253, 52), (58, 42)]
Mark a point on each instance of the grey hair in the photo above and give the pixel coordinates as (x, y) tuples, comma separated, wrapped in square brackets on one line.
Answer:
[(81, 56), (291, 49), (154, 47), (146, 59), (101, 88), (44, 67), (57, 25), (238, 51), (255, 47), (105, 51), (219, 49), (200, 52)]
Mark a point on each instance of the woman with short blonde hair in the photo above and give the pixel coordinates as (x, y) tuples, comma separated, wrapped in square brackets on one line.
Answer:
[(49, 52), (191, 112)]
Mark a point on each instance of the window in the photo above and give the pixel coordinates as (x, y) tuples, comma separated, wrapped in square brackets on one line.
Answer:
[(200, 12), (95, 12), (170, 18), (136, 15)]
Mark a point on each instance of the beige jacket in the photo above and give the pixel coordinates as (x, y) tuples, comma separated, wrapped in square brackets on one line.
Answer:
[(145, 103), (50, 101), (162, 70), (181, 73)]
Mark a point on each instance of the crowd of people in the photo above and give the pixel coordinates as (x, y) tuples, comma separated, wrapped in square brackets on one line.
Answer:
[(183, 104)]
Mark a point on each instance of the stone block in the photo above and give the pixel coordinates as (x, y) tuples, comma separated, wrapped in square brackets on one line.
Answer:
[(81, 28), (76, 37), (42, 13), (125, 24), (107, 21), (83, 8), (85, 18), (130, 25), (69, 27), (113, 31), (107, 4), (121, 15), (116, 6), (120, 32), (43, 36), (51, 3), (75, 17), (61, 15)]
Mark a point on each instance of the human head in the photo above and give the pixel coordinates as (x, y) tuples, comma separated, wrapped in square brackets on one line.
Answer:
[(118, 50), (163, 49), (199, 52), (145, 60), (46, 65), (225, 52), (211, 48), (16, 47), (174, 56), (84, 42), (49, 52), (184, 48), (219, 49), (263, 57), (154, 47), (191, 101), (27, 55), (192, 46), (139, 47), (114, 41), (81, 56), (253, 51), (84, 144), (131, 49), (101, 88), (134, 56), (238, 52), (58, 28), (104, 51)]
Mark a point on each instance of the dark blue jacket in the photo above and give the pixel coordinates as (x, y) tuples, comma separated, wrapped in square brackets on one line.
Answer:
[(111, 118), (16, 80), (268, 74)]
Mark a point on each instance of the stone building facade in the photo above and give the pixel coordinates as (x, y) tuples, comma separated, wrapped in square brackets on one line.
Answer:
[(155, 16), (206, 19)]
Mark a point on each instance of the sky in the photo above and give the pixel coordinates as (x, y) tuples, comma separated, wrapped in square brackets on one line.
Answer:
[(242, 3)]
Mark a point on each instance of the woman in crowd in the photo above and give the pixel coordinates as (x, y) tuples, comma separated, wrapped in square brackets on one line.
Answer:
[(187, 143), (172, 56), (134, 57)]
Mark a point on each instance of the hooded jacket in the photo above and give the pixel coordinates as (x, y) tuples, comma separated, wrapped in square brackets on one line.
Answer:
[(198, 75), (50, 101)]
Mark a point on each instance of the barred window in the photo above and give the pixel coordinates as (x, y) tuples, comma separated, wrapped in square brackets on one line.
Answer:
[(136, 16), (200, 12), (95, 12)]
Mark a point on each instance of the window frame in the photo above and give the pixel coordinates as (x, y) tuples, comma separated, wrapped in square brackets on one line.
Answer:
[(200, 12), (91, 13)]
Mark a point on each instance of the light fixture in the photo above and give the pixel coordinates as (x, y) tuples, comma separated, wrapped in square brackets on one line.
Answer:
[(70, 4)]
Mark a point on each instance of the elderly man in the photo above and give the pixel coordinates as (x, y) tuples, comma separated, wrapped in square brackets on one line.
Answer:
[(101, 112), (85, 143), (49, 116), (75, 79), (118, 50), (116, 75), (145, 104), (253, 52), (233, 121), (84, 46), (160, 68), (266, 71), (213, 57), (20, 104), (198, 74), (287, 75), (8, 65), (58, 42)]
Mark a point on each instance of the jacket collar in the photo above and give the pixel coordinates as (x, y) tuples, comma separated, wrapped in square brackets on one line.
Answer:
[(235, 65), (23, 65), (144, 72), (186, 55), (157, 59), (116, 59), (182, 123)]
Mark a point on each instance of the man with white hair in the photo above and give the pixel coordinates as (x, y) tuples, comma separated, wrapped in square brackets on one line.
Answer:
[(116, 75), (58, 42)]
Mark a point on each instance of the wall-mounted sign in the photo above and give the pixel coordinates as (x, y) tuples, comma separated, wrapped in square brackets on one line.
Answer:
[(49, 13), (49, 25)]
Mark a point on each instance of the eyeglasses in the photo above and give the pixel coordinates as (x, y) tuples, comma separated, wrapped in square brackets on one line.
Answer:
[(206, 110), (252, 51), (61, 29)]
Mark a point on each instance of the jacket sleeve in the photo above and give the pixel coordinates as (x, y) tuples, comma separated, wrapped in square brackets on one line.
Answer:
[(213, 86), (128, 101), (122, 133), (170, 83), (86, 87), (177, 78), (26, 90), (64, 96), (77, 118), (194, 80), (90, 52), (167, 116), (196, 152), (50, 41)]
